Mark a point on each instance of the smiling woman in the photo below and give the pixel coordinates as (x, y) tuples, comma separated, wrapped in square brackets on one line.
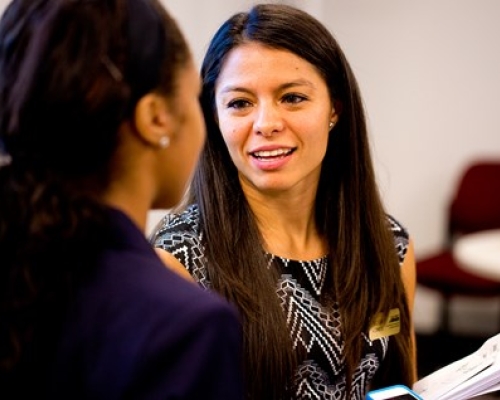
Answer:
[(284, 216)]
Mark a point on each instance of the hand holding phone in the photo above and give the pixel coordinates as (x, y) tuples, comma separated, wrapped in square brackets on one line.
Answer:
[(396, 392)]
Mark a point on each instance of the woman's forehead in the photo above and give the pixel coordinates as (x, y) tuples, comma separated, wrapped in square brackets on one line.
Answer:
[(249, 62)]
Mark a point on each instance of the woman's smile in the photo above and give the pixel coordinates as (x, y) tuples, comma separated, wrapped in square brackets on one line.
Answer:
[(273, 158)]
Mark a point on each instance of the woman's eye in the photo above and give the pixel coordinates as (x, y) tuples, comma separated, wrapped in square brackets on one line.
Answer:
[(238, 104), (293, 98)]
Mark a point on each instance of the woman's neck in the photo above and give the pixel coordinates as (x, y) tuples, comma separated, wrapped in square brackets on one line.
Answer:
[(288, 225)]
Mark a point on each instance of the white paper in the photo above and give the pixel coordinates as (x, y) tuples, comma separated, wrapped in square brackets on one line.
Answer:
[(475, 374)]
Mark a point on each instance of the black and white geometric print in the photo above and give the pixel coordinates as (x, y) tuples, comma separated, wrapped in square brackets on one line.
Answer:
[(400, 237), (315, 329), (315, 270), (310, 324), (180, 235)]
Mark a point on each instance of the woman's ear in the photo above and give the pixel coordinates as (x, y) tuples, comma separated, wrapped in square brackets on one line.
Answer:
[(336, 110), (153, 120), (334, 117)]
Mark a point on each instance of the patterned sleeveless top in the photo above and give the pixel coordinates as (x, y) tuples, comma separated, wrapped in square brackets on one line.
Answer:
[(312, 326)]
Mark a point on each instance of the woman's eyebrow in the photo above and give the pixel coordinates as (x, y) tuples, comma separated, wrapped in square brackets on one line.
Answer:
[(286, 85), (230, 88), (298, 82)]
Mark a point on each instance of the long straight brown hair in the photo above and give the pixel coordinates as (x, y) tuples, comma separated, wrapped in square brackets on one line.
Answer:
[(365, 277)]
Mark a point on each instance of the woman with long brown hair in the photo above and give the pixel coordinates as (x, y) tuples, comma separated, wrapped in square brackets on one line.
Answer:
[(285, 219)]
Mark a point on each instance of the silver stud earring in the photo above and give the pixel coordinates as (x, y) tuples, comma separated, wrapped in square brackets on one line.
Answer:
[(164, 142), (330, 125)]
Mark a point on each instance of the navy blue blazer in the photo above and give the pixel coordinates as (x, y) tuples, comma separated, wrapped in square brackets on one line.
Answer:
[(139, 331)]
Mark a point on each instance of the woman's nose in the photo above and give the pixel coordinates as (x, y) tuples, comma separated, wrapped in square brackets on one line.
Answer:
[(268, 121)]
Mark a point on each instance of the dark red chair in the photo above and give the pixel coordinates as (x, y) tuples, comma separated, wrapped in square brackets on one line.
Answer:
[(475, 206)]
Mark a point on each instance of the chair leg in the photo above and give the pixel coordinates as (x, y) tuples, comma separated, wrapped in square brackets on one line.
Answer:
[(444, 323)]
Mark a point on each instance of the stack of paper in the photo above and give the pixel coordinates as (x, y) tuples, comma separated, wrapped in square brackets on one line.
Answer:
[(471, 376)]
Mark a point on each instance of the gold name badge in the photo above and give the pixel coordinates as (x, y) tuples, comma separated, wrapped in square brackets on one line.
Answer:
[(383, 326)]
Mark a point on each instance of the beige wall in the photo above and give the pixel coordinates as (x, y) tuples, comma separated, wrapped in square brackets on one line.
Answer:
[(429, 71)]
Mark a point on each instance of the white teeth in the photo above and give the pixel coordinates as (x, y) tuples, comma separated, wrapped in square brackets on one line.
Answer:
[(272, 153)]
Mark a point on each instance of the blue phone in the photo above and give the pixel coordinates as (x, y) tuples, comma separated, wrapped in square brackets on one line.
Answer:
[(395, 392)]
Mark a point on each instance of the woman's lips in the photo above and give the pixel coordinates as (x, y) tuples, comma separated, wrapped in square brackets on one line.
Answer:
[(268, 154), (271, 159)]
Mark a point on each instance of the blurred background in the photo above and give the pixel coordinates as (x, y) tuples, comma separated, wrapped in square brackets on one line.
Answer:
[(429, 73)]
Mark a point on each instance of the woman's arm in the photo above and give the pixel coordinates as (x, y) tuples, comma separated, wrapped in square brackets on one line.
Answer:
[(409, 275)]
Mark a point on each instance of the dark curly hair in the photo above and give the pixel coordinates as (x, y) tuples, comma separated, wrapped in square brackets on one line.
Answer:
[(70, 73)]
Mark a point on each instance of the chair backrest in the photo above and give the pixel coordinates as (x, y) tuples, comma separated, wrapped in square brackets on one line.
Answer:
[(476, 204)]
